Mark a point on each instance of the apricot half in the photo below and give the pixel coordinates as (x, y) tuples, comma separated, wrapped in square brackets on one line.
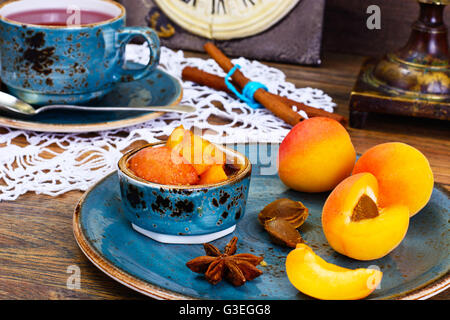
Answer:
[(403, 174), (316, 155), (356, 226), (317, 278)]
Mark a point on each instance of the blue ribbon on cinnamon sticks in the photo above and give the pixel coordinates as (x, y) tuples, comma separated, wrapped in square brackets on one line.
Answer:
[(248, 92)]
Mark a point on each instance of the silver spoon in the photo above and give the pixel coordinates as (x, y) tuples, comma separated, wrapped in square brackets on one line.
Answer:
[(15, 105)]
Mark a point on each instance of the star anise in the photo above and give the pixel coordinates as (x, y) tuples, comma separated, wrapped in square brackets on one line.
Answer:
[(236, 268)]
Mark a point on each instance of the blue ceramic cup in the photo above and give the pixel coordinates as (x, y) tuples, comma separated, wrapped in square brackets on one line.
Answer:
[(47, 63)]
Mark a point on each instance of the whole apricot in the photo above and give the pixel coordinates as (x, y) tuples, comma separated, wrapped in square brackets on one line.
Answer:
[(403, 173), (316, 155)]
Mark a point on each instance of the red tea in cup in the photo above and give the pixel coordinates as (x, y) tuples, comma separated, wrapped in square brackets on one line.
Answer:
[(59, 17)]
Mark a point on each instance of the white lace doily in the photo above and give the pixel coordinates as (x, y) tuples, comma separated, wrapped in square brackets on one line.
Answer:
[(82, 160)]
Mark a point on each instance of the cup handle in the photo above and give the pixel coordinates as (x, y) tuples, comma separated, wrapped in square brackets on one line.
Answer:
[(124, 36)]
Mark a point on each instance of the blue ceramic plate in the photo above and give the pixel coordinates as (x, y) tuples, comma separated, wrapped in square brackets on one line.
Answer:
[(417, 269), (158, 89)]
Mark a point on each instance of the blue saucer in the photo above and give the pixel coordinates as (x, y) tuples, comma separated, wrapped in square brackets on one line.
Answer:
[(416, 269), (158, 89)]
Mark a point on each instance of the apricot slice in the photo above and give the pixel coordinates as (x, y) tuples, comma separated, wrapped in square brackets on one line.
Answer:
[(356, 226), (201, 153), (317, 278), (403, 174), (197, 151), (175, 137), (161, 165), (214, 174)]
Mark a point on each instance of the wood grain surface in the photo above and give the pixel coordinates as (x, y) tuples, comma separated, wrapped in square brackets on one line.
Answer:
[(36, 241)]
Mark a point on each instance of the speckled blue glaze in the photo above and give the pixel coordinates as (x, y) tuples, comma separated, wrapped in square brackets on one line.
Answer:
[(49, 64), (157, 89), (159, 270), (183, 211)]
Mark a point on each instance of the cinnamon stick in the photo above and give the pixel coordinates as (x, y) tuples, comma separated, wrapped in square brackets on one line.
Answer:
[(278, 107), (218, 83), (204, 78)]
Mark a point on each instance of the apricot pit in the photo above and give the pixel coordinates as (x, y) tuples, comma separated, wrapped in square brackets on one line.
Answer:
[(281, 232), (366, 208), (292, 211)]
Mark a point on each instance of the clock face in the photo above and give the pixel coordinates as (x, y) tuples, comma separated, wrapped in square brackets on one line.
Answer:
[(226, 19)]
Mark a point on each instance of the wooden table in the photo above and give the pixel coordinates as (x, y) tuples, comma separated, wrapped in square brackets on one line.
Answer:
[(36, 241)]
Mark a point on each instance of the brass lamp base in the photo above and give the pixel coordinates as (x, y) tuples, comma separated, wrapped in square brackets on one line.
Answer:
[(413, 81), (368, 97)]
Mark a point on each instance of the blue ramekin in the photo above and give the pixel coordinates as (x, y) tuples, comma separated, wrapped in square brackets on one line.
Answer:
[(184, 214)]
